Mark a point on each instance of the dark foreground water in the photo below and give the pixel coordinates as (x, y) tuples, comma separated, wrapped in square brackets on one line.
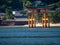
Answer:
[(29, 36)]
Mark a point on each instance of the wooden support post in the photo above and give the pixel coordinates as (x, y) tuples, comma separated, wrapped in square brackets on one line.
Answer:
[(34, 22), (29, 22), (45, 22), (33, 19)]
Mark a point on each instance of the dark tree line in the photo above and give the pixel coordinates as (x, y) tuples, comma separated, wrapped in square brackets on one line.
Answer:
[(8, 5), (17, 4)]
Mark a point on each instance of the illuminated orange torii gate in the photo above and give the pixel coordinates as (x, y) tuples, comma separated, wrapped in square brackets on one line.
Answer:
[(32, 20)]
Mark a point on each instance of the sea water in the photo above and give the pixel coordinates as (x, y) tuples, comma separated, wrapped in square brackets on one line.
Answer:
[(29, 36)]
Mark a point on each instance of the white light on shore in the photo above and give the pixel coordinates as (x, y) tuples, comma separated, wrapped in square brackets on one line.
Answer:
[(13, 12)]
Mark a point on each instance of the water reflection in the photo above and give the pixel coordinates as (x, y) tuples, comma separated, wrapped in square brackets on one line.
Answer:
[(29, 36)]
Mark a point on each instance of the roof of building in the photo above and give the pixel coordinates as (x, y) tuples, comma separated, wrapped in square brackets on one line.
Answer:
[(20, 16), (17, 14), (2, 14)]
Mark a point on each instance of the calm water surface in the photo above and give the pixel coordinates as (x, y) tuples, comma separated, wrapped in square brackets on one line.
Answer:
[(29, 36)]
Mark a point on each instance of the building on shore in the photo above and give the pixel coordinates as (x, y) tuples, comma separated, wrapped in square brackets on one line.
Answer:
[(2, 15), (20, 19)]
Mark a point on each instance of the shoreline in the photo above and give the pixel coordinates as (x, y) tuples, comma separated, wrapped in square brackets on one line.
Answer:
[(37, 25)]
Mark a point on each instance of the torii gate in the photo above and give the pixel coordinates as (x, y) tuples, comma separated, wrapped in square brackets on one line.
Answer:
[(32, 20)]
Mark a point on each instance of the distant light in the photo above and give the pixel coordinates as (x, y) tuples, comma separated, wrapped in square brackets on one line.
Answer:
[(13, 12)]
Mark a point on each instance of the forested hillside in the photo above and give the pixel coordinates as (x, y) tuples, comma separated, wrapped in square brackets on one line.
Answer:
[(18, 4), (11, 4)]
